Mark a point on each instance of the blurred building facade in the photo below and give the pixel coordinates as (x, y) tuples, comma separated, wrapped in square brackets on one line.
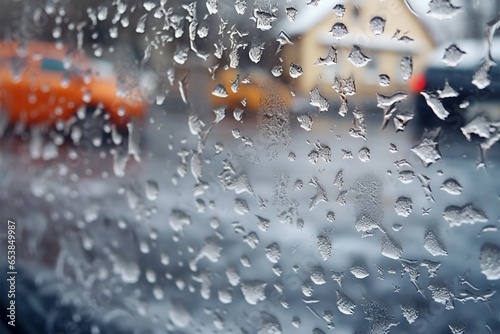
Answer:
[(404, 36)]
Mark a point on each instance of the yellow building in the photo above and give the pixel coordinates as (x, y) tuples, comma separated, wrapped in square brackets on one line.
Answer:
[(385, 31)]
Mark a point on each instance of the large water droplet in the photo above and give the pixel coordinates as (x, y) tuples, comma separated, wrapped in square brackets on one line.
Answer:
[(253, 291), (273, 252), (407, 67), (256, 51), (377, 25), (295, 70), (490, 261), (456, 216), (339, 31), (453, 55), (433, 244), (404, 206), (330, 59), (345, 304), (452, 187), (152, 190), (357, 57), (428, 150), (442, 9)]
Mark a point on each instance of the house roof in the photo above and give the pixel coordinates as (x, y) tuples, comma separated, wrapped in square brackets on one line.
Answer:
[(309, 16)]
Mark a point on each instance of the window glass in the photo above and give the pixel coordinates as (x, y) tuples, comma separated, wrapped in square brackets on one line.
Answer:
[(250, 166)]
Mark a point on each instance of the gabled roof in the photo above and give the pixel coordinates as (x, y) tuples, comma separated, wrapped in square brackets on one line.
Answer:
[(309, 16)]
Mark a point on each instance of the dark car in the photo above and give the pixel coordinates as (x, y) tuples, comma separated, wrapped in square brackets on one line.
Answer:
[(461, 83)]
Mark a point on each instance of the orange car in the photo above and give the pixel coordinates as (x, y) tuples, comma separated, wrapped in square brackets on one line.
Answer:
[(251, 91), (45, 84)]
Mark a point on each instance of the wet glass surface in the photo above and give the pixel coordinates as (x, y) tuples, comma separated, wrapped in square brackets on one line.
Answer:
[(250, 166)]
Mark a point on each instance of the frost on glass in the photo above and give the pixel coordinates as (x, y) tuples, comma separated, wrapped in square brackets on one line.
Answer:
[(302, 166)]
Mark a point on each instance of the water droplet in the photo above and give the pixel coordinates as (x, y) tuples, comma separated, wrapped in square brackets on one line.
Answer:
[(152, 190), (442, 294), (241, 206), (452, 187), (295, 70), (210, 250), (273, 252), (178, 219), (442, 9), (364, 154), (220, 91), (391, 248), (127, 269), (330, 216), (318, 276), (345, 304), (457, 328), (324, 246), (490, 261), (320, 196), (277, 70), (178, 314), (283, 39), (428, 150), (181, 55), (406, 176), (345, 87), (238, 114), (307, 289), (256, 51), (339, 10), (317, 100), (291, 13), (149, 5), (330, 59), (339, 31), (298, 185), (480, 126), (263, 223), (359, 272), (141, 24), (377, 25), (252, 239), (232, 276), (240, 6), (220, 114), (384, 101), (433, 245), (447, 91), (263, 19), (456, 216), (339, 179), (410, 312), (384, 80), (305, 121), (212, 6), (269, 324), (407, 67), (404, 206), (453, 55), (253, 291), (357, 58)]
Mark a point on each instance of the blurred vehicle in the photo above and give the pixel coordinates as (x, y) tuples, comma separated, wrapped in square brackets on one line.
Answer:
[(49, 85), (457, 77), (247, 91)]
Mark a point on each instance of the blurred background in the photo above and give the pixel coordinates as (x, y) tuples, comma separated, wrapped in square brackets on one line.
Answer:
[(250, 166)]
